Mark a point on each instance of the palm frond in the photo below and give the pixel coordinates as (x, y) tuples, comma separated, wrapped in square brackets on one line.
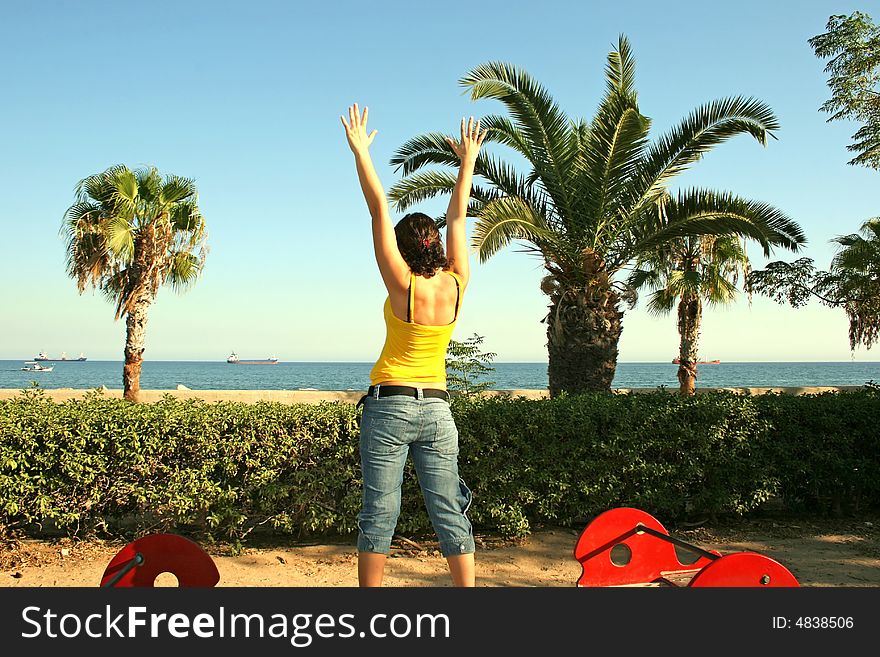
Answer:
[(124, 200), (99, 186), (120, 237), (502, 130), (620, 71), (79, 218), (616, 141), (430, 148), (88, 260), (176, 189), (474, 206), (536, 117), (506, 219), (185, 217), (699, 212), (113, 286), (661, 302), (125, 188), (184, 270), (725, 248), (149, 184), (871, 228), (420, 186), (649, 277), (703, 129), (860, 253), (718, 289), (684, 282), (609, 151)]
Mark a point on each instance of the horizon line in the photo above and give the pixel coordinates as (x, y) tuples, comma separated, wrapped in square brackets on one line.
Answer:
[(504, 362)]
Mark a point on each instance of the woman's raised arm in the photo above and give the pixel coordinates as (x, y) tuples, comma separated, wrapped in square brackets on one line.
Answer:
[(395, 272), (456, 238)]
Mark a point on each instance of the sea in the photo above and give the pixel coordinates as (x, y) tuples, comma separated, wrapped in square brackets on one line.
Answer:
[(219, 375)]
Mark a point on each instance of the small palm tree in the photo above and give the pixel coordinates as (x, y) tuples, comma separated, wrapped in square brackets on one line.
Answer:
[(685, 272), (129, 232), (594, 200)]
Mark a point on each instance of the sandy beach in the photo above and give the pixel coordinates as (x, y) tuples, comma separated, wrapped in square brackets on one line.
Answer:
[(316, 396)]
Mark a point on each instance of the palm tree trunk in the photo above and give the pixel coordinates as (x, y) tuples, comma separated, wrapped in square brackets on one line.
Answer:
[(583, 331), (690, 312), (135, 339)]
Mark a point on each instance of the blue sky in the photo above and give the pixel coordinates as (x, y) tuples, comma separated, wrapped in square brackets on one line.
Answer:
[(245, 98)]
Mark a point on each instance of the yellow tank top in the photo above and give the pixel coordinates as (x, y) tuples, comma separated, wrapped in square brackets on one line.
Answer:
[(414, 352)]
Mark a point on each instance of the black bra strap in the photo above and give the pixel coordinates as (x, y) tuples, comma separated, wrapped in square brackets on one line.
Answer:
[(457, 297)]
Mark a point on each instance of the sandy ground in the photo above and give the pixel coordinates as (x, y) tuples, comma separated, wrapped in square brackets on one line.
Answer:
[(818, 552)]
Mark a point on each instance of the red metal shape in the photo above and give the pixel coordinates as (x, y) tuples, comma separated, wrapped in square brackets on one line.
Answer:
[(651, 560), (744, 569), (162, 553)]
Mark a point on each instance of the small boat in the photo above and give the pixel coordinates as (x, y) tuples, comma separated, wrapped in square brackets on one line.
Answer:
[(34, 366), (43, 357), (676, 361), (234, 359)]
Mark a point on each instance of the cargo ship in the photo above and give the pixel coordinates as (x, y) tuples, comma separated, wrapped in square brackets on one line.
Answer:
[(676, 361), (43, 357), (235, 360)]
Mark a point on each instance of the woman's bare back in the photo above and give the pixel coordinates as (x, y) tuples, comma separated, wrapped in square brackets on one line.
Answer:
[(434, 303)]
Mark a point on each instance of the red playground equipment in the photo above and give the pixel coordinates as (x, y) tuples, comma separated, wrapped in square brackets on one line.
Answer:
[(140, 562), (628, 547)]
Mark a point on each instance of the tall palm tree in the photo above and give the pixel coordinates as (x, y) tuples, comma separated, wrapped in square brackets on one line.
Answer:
[(129, 232), (685, 272), (594, 199)]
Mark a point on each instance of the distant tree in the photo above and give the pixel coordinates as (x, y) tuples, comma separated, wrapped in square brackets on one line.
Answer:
[(684, 273), (853, 45), (853, 282), (129, 232), (466, 364)]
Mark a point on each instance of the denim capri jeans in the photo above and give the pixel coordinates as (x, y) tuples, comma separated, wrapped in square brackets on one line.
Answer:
[(391, 428)]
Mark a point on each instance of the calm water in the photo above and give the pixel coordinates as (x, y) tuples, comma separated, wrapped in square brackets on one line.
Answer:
[(165, 375)]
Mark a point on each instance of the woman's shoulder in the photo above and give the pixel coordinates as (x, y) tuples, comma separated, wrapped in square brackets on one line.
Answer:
[(460, 281)]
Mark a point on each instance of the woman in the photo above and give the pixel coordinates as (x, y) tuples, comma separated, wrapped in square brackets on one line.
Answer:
[(406, 409)]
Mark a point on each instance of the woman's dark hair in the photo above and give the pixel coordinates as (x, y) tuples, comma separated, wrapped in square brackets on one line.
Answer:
[(419, 242)]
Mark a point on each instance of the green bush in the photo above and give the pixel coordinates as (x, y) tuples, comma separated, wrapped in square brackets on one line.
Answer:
[(225, 469)]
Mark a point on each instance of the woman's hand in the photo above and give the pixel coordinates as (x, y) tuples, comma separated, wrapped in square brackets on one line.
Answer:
[(471, 140), (356, 132)]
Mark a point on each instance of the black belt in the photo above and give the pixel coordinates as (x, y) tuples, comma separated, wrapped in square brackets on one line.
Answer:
[(388, 391)]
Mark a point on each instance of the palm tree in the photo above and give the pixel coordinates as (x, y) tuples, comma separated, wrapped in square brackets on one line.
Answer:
[(128, 233), (594, 199), (688, 271)]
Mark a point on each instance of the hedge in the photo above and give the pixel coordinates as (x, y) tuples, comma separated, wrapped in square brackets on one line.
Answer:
[(221, 470)]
